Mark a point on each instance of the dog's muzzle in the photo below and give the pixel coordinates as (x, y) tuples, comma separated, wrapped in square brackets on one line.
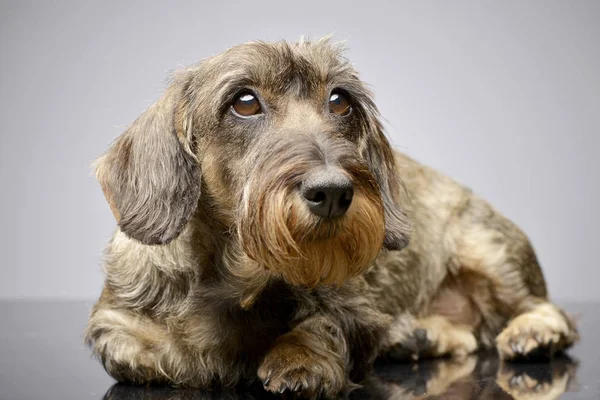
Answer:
[(308, 218)]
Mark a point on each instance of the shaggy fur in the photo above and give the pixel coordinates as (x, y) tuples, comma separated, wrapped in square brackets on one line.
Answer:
[(218, 274)]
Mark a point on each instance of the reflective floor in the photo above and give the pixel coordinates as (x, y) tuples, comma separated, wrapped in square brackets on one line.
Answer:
[(42, 355)]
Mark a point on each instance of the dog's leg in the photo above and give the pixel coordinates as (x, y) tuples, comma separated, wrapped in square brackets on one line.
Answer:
[(310, 360), (539, 332), (494, 264), (334, 344), (490, 277), (134, 349), (126, 344)]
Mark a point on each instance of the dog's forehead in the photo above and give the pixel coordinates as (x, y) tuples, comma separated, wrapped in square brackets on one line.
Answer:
[(280, 66)]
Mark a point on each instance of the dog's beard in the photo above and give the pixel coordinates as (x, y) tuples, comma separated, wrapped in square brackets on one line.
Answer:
[(278, 231)]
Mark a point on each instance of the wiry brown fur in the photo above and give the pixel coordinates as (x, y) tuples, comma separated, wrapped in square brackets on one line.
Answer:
[(219, 274)]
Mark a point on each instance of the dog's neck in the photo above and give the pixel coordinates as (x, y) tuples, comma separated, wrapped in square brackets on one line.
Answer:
[(222, 263)]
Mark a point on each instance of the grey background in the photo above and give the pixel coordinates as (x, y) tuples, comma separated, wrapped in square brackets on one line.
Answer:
[(503, 96)]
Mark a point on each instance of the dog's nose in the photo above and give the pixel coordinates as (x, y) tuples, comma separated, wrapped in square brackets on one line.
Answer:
[(328, 193)]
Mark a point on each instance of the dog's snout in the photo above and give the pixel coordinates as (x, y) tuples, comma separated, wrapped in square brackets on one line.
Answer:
[(328, 193)]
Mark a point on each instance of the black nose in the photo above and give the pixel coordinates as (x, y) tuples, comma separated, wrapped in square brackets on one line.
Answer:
[(328, 193)]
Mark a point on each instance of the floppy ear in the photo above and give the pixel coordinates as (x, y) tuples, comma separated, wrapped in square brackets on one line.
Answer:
[(150, 175), (380, 157)]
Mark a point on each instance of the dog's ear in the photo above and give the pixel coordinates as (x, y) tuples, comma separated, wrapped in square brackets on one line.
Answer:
[(380, 158), (150, 175)]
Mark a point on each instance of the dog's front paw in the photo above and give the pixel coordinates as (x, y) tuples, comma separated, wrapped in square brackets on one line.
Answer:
[(294, 367)]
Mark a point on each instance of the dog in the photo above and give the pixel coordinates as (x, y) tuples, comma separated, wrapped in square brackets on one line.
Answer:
[(268, 232)]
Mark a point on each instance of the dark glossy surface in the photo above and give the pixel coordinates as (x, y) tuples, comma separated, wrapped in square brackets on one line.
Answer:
[(42, 355)]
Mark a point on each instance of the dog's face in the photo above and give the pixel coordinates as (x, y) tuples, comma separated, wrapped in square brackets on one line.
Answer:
[(282, 143)]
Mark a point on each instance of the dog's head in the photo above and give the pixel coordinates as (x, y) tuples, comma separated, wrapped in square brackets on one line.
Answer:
[(282, 146)]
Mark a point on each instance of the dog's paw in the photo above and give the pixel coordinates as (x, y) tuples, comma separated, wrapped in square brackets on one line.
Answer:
[(448, 340), (293, 368), (537, 334), (534, 343), (410, 348), (434, 336)]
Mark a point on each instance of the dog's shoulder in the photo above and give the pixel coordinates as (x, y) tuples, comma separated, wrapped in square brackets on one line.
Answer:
[(430, 193)]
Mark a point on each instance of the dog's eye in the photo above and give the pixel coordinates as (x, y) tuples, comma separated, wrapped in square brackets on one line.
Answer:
[(339, 104), (246, 104)]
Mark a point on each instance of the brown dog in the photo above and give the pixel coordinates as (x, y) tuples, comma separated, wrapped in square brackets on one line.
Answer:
[(261, 216)]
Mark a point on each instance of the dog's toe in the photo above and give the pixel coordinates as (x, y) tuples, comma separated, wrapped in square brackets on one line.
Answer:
[(526, 345), (298, 382)]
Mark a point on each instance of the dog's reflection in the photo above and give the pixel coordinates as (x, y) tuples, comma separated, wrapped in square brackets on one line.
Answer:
[(474, 377)]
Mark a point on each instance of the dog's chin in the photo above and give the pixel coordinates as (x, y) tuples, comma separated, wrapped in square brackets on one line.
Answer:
[(304, 250)]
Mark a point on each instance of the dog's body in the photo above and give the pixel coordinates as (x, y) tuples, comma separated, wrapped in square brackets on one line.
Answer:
[(225, 269)]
